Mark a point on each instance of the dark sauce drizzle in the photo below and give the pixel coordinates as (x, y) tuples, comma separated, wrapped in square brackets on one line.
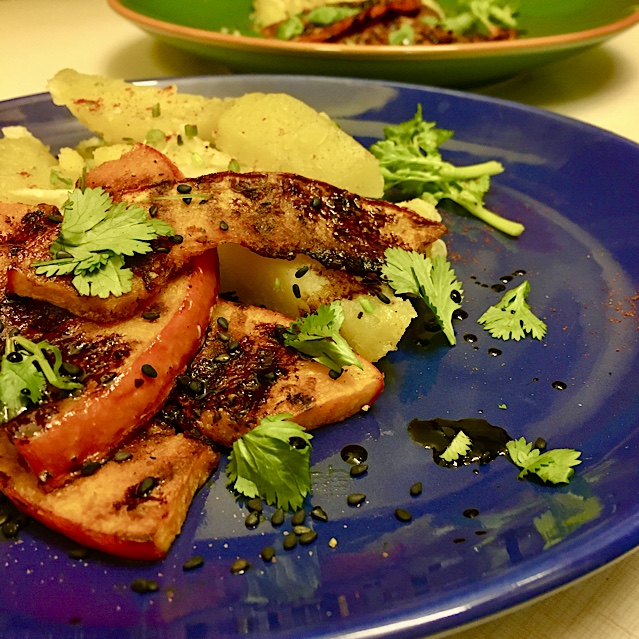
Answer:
[(488, 441)]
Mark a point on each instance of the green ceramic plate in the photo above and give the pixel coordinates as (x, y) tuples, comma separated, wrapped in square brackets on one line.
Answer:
[(552, 29)]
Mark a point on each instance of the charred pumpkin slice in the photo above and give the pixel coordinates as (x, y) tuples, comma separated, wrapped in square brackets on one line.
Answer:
[(131, 508), (127, 369), (243, 373)]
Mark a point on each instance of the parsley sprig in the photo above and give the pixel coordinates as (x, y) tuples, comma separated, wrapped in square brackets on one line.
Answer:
[(432, 279), (412, 165), (25, 370), (272, 461), (554, 466), (96, 235), (512, 318), (317, 335)]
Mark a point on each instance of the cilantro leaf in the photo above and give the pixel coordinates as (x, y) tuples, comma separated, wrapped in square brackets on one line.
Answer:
[(95, 236), (457, 448), (554, 466), (317, 335), (410, 161), (481, 16), (432, 279), (326, 15), (512, 318), (25, 370), (265, 463)]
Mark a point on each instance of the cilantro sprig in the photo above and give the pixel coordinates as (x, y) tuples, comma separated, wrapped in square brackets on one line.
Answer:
[(96, 235), (431, 278), (272, 461), (457, 448), (554, 466), (25, 370), (412, 165), (512, 318), (317, 335)]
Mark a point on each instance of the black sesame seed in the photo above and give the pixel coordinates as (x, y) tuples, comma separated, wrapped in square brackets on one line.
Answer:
[(224, 226), (153, 210), (355, 499), (302, 271), (358, 469), (223, 323), (145, 487), (540, 443), (25, 391), (267, 553), (71, 369), (150, 316), (142, 586), (187, 200), (308, 537), (149, 371), (90, 467), (193, 562), (222, 358), (296, 291), (183, 188), (14, 357), (55, 218), (456, 296), (78, 553), (319, 514), (335, 374), (239, 567), (122, 456), (252, 520), (290, 541), (384, 299), (63, 255), (223, 337), (277, 518), (416, 489), (255, 504), (162, 249), (176, 239), (299, 517), (234, 345), (197, 386), (301, 529), (316, 203), (403, 515)]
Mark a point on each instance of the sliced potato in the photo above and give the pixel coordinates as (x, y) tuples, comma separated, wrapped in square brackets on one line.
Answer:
[(117, 110), (276, 132), (371, 327), (25, 163)]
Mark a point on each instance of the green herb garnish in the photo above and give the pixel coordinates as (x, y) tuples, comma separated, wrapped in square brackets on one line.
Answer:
[(272, 461), (413, 167), (457, 448), (327, 15), (432, 279), (554, 466), (95, 236), (512, 318), (317, 335), (289, 29), (25, 370), (403, 36)]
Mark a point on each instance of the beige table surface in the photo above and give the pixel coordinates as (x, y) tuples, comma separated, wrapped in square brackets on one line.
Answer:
[(599, 86)]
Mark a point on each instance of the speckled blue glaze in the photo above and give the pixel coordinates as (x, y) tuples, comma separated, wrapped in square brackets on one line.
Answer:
[(576, 188)]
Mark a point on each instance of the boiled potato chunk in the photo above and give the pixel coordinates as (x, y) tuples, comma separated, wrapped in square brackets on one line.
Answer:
[(25, 163), (276, 132), (371, 327), (117, 110)]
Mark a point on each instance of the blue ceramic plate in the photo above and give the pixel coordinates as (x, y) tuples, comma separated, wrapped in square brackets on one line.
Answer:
[(576, 189)]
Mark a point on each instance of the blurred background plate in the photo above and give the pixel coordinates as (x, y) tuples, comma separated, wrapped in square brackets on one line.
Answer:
[(552, 29)]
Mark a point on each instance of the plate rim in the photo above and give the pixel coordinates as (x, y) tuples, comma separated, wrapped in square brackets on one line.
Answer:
[(585, 562)]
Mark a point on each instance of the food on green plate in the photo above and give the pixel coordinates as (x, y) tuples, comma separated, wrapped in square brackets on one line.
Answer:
[(386, 22)]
